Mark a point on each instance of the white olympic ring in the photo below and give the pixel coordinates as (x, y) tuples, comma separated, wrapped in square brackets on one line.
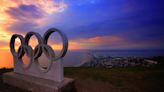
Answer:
[(42, 47)]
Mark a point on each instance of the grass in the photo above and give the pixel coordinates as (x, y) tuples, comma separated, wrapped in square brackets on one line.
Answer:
[(136, 79)]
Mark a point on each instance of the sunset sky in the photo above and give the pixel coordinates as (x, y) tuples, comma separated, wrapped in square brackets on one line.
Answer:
[(89, 24)]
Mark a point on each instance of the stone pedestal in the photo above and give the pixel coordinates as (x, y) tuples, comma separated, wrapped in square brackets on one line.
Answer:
[(55, 73), (34, 76), (35, 84)]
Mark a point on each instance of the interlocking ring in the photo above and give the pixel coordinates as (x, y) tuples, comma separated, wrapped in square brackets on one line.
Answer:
[(42, 47)]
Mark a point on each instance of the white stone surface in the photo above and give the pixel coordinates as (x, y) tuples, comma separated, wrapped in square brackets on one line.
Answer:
[(55, 73), (35, 84)]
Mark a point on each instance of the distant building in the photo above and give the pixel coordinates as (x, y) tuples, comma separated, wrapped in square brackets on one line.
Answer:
[(110, 62)]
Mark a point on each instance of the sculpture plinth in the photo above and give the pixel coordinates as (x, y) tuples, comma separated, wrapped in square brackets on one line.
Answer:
[(34, 84), (33, 76)]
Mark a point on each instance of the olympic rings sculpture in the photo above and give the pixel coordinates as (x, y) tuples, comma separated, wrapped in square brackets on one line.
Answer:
[(42, 47)]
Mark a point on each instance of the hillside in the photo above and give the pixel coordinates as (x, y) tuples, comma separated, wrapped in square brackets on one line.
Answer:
[(136, 79)]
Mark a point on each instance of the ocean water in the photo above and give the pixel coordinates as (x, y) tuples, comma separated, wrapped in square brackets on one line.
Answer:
[(75, 58), (78, 57), (130, 53)]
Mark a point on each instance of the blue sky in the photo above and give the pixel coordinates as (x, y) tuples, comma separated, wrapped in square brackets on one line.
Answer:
[(94, 24)]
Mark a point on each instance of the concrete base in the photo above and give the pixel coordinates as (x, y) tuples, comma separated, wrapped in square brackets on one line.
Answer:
[(34, 84)]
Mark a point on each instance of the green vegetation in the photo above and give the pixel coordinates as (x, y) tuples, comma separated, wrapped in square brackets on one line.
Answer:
[(136, 79)]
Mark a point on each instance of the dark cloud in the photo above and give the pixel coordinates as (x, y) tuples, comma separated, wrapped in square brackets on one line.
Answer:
[(25, 16), (22, 26), (137, 21), (25, 12)]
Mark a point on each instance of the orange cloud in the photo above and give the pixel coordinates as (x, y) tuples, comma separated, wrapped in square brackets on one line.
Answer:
[(46, 7), (6, 59), (90, 43), (102, 39), (110, 42), (74, 45)]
